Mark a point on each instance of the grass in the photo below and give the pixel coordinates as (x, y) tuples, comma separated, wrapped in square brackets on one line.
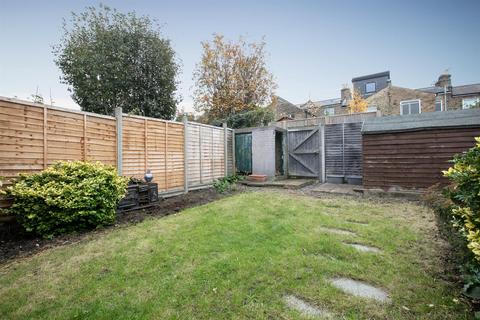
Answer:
[(235, 259)]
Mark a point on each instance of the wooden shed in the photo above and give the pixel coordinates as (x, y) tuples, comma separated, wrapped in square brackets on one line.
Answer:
[(411, 151)]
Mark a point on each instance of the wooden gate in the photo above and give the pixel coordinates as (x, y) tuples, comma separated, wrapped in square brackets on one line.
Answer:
[(304, 152)]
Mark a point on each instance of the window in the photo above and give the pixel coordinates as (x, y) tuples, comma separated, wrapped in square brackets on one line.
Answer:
[(372, 109), (370, 87), (438, 104), (467, 103), (329, 111), (410, 107)]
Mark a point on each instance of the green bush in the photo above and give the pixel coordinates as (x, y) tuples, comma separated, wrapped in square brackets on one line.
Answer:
[(225, 184), (67, 196), (253, 118), (465, 195)]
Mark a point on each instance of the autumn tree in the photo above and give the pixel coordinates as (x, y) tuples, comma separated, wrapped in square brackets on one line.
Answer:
[(111, 59), (357, 103), (231, 78)]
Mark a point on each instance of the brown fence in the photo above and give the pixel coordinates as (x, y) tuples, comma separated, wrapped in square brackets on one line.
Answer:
[(410, 152), (33, 136)]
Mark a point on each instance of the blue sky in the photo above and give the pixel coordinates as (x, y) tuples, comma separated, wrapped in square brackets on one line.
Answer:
[(313, 46)]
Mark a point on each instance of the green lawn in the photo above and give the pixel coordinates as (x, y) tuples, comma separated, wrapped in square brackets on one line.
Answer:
[(236, 258)]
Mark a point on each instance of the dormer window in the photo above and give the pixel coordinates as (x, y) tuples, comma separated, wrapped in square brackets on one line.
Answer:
[(370, 87)]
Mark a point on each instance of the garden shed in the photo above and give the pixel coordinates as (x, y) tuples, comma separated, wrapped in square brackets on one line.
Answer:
[(260, 151), (411, 151)]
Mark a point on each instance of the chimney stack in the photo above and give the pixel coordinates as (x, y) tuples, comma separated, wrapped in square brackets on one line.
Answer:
[(444, 80), (345, 95)]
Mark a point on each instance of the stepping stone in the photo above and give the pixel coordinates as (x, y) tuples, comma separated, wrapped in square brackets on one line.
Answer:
[(338, 231), (360, 289), (363, 248), (305, 309)]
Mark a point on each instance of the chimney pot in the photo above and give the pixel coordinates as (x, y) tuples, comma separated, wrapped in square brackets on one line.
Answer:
[(345, 96), (444, 80)]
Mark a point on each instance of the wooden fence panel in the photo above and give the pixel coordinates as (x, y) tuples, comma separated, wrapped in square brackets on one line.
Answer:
[(230, 152), (134, 156), (206, 153), (334, 165), (100, 140), (33, 136), (353, 148), (175, 156), (412, 160), (193, 155), (21, 139)]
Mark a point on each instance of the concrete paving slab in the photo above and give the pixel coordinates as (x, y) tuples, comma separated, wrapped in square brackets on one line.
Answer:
[(363, 248), (306, 309), (360, 289), (338, 231)]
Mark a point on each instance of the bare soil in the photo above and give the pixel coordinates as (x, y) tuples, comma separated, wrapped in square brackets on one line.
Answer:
[(15, 242)]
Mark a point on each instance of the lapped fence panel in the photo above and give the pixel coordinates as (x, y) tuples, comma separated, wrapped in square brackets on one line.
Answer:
[(33, 136)]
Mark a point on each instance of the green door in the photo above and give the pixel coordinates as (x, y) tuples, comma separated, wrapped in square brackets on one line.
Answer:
[(243, 152)]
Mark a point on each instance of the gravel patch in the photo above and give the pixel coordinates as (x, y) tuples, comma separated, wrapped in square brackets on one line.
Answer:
[(360, 289), (306, 309)]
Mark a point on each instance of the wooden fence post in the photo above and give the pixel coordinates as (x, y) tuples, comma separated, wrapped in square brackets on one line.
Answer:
[(225, 149), (185, 154), (119, 123)]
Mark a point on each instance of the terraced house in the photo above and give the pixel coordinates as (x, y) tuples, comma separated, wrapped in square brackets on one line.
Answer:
[(388, 99)]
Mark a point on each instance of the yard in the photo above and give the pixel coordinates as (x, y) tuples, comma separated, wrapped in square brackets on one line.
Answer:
[(239, 257)]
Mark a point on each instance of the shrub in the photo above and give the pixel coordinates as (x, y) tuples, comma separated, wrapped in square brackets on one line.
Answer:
[(67, 196), (225, 184), (257, 117), (465, 195)]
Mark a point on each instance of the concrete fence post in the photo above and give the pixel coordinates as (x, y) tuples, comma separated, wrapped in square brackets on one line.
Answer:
[(225, 149), (234, 164), (119, 124), (185, 154)]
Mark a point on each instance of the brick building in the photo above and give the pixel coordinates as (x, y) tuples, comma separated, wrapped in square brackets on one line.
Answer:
[(382, 96)]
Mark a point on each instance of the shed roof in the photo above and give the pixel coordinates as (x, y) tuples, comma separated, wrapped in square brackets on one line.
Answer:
[(423, 121), (264, 128)]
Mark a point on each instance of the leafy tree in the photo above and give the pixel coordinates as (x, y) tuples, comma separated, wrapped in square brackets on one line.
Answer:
[(259, 116), (37, 98), (111, 59), (358, 103), (231, 78)]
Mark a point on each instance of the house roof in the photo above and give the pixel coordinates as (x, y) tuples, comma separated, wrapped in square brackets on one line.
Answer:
[(456, 90), (423, 121), (320, 103), (466, 89), (371, 76), (285, 107)]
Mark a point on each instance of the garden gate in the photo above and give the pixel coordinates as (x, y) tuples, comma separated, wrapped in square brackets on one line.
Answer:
[(328, 151), (304, 151)]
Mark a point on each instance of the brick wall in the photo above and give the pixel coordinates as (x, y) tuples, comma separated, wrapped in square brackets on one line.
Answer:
[(388, 100)]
